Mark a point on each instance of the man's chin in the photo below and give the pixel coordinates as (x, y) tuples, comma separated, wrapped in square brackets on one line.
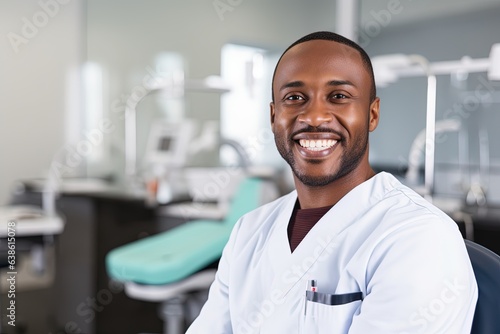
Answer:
[(315, 181)]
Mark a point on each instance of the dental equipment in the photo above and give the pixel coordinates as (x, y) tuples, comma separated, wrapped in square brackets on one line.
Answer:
[(385, 66), (389, 68), (167, 266), (164, 159), (176, 86), (418, 147), (32, 231)]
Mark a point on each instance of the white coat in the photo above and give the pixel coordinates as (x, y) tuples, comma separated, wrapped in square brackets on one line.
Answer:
[(406, 257)]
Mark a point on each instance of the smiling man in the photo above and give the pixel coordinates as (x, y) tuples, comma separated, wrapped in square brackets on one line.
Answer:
[(349, 251), (323, 107)]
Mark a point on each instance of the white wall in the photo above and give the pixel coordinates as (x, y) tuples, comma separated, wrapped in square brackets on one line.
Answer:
[(41, 111), (34, 87), (125, 36), (36, 119)]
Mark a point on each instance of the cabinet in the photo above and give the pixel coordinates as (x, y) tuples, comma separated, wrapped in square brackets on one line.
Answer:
[(82, 300)]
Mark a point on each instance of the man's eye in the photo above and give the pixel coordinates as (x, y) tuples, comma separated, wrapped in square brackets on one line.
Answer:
[(339, 96), (294, 98)]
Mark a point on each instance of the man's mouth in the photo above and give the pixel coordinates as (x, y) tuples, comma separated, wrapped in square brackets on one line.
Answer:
[(317, 144)]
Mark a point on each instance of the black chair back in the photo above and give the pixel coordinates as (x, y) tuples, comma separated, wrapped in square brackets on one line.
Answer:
[(486, 265)]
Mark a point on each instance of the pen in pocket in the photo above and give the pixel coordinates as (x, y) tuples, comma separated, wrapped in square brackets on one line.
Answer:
[(311, 286)]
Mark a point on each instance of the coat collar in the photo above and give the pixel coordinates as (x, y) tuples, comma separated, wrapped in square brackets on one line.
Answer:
[(291, 268)]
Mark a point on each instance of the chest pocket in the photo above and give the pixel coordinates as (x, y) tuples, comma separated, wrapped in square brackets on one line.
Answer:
[(326, 313)]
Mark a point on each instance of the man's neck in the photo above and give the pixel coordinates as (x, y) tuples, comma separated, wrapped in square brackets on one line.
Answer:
[(316, 197)]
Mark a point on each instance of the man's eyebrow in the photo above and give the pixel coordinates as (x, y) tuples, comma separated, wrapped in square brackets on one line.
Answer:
[(295, 84), (340, 83), (292, 84)]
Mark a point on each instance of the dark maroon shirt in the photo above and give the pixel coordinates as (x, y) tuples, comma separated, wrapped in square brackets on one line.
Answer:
[(302, 221)]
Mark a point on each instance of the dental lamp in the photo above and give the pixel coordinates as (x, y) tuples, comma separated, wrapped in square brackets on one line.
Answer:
[(174, 86), (494, 68), (386, 71), (389, 68)]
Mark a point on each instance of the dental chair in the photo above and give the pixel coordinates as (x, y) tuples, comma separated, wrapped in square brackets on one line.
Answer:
[(171, 267), (486, 265)]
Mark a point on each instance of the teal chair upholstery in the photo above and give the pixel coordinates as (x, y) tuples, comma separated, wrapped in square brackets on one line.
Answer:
[(175, 254)]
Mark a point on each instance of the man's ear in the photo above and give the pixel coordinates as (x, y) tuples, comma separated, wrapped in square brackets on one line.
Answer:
[(374, 114), (271, 107)]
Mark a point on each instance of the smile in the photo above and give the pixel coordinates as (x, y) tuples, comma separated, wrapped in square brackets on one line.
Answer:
[(317, 144)]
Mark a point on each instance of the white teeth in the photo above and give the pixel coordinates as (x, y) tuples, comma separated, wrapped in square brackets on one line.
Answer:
[(317, 145)]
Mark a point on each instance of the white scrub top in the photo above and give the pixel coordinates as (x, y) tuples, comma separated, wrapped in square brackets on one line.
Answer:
[(406, 258)]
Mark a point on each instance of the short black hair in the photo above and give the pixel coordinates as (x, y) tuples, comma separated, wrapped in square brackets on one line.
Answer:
[(331, 36)]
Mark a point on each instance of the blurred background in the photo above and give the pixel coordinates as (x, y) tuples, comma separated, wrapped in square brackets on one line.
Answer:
[(103, 102)]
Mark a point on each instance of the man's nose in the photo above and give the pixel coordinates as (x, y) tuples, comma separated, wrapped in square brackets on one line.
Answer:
[(316, 113)]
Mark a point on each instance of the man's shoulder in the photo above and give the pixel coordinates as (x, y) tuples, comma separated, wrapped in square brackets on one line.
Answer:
[(402, 205)]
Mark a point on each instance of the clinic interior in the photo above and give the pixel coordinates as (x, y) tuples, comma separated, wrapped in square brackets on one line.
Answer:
[(123, 119)]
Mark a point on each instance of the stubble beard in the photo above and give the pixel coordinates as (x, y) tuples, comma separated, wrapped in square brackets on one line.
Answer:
[(348, 161)]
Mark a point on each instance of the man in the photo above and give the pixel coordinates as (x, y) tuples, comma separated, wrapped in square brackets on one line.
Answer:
[(373, 256)]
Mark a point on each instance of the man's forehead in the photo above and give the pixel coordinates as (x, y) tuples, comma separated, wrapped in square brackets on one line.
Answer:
[(321, 61), (316, 52)]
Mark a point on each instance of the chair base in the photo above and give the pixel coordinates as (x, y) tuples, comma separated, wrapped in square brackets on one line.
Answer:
[(159, 293), (175, 299)]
